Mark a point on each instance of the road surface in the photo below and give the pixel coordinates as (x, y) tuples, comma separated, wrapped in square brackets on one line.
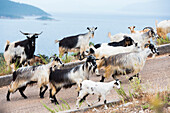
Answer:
[(155, 76)]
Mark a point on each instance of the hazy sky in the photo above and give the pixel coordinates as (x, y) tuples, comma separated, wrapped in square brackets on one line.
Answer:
[(100, 6)]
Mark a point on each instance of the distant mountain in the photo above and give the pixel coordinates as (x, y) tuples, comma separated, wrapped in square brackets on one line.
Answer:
[(10, 9), (45, 18)]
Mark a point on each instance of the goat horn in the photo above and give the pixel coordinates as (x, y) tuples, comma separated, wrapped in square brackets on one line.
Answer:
[(54, 56), (38, 33), (25, 33)]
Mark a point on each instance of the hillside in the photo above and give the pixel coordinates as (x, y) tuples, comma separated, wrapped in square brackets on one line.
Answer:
[(10, 9)]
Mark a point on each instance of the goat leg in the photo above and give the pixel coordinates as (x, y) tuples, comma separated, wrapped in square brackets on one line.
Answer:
[(136, 75), (42, 93), (102, 80), (84, 98), (21, 92), (7, 97), (52, 97)]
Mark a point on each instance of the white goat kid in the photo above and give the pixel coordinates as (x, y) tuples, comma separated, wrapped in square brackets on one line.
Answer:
[(100, 89)]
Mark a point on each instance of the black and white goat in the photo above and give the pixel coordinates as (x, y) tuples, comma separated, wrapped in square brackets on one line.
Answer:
[(140, 38), (77, 43), (99, 88), (65, 78), (32, 74), (127, 41), (22, 50), (126, 63), (105, 51)]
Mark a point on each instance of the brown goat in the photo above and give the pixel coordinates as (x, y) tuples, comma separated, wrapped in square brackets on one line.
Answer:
[(133, 31)]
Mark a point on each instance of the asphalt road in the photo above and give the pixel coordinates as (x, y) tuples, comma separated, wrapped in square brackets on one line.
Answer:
[(155, 76)]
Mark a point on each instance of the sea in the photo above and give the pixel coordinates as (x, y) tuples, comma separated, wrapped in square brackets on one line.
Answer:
[(71, 24)]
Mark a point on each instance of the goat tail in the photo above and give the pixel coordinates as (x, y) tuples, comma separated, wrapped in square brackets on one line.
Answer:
[(7, 45), (109, 34), (56, 41), (156, 23), (102, 63)]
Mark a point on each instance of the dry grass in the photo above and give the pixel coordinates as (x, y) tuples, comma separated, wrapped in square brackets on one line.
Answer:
[(3, 70)]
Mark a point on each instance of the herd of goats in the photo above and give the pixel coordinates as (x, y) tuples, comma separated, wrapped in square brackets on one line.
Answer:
[(124, 54)]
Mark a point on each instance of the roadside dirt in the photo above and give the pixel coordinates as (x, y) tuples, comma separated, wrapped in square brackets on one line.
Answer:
[(156, 73)]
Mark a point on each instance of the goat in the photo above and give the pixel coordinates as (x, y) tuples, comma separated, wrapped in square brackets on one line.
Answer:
[(163, 28), (140, 38), (32, 74), (127, 41), (105, 51), (146, 29), (126, 63), (77, 43), (22, 50), (99, 88), (67, 77)]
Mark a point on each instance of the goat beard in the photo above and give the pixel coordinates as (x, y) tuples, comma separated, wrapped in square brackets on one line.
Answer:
[(92, 35)]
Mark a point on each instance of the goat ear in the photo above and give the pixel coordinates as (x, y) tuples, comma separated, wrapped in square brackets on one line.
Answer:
[(136, 44), (125, 36), (95, 28), (150, 33), (133, 26), (96, 59), (117, 79), (146, 45), (91, 51), (103, 58), (88, 28), (28, 37)]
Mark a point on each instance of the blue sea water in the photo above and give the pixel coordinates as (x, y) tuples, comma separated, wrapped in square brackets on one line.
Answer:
[(71, 24)]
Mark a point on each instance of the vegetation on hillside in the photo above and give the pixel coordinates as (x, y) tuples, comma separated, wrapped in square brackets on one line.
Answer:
[(10, 9)]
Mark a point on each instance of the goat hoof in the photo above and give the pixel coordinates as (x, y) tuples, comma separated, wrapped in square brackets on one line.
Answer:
[(25, 97), (101, 81), (55, 102), (8, 99), (97, 75), (130, 78), (52, 101), (41, 96)]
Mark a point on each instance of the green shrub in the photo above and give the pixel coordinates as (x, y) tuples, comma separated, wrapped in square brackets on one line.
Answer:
[(62, 107), (161, 41)]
